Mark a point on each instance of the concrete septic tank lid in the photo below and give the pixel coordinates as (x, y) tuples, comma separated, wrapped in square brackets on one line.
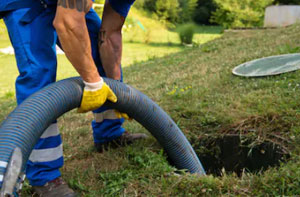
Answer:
[(268, 66)]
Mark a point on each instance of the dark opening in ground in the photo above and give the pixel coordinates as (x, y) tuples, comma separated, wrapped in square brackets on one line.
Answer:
[(235, 153)]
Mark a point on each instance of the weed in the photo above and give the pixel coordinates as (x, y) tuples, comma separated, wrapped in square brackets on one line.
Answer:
[(115, 182), (286, 48), (186, 33), (9, 95)]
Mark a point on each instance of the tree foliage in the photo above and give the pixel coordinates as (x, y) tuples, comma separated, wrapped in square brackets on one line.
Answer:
[(149, 5), (204, 11), (175, 11), (167, 10), (242, 13), (287, 2), (187, 10), (229, 13)]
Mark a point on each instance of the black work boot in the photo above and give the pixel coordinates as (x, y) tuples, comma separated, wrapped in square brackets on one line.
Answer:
[(125, 139), (56, 188)]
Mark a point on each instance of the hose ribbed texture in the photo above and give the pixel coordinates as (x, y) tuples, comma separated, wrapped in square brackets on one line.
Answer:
[(24, 126)]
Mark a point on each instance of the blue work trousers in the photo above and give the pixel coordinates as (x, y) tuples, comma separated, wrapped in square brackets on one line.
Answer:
[(34, 43)]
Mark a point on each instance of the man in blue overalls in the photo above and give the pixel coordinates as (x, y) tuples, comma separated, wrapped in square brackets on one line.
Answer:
[(94, 49)]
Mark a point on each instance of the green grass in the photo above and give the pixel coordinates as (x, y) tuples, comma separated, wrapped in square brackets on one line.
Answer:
[(196, 87), (138, 46), (156, 40)]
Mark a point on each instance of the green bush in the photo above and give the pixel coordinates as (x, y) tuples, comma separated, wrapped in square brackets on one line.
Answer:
[(203, 11), (186, 33), (242, 13), (149, 5), (187, 10), (174, 11), (139, 4), (167, 10)]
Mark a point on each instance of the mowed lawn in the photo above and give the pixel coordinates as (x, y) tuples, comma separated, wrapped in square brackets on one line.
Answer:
[(139, 45), (196, 87)]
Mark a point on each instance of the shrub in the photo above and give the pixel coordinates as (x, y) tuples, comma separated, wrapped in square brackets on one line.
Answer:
[(174, 11), (203, 11), (242, 13), (150, 5), (167, 10), (187, 10), (139, 4), (186, 33)]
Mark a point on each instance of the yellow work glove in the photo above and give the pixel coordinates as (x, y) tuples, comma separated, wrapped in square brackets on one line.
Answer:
[(122, 115), (95, 95)]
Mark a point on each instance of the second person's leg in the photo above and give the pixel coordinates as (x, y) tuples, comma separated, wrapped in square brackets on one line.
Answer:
[(106, 125)]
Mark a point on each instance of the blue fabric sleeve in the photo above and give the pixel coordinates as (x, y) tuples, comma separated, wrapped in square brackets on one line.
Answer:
[(121, 6)]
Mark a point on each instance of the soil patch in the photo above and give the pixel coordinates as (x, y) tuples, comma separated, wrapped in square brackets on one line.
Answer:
[(239, 153)]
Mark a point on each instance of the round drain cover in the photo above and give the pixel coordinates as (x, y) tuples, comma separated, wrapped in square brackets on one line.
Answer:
[(273, 65)]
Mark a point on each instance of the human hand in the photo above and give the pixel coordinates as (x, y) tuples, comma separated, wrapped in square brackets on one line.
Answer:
[(95, 95), (122, 115)]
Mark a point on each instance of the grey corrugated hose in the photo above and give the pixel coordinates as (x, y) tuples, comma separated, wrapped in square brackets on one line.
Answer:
[(24, 126)]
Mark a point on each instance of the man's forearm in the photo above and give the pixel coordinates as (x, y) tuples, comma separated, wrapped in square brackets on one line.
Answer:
[(110, 42), (111, 53), (73, 34)]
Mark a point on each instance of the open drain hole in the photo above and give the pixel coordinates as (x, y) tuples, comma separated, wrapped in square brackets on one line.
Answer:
[(235, 153)]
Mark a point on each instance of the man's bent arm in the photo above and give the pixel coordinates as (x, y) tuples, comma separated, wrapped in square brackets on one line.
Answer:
[(73, 34), (110, 41)]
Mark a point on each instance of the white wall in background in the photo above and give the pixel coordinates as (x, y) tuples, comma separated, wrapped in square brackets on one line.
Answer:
[(281, 16), (10, 50)]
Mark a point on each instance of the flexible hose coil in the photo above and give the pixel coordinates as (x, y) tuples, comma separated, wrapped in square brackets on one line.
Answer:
[(24, 126)]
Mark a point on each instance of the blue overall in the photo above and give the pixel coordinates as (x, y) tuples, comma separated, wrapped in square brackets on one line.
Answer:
[(34, 40)]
